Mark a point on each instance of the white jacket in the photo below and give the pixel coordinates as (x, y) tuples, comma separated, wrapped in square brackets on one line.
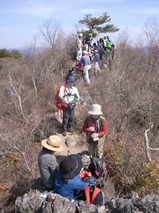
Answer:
[(79, 43), (69, 94)]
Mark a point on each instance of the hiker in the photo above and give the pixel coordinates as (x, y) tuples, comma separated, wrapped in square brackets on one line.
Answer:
[(95, 127), (69, 95), (109, 51), (101, 48), (69, 178), (79, 46), (71, 72), (85, 60), (88, 42), (47, 162), (97, 62), (94, 47), (108, 42)]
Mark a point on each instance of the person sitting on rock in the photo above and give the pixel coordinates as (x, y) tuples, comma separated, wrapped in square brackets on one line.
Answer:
[(69, 178), (47, 162)]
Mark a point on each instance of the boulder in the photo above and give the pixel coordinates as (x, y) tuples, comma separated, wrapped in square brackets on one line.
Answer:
[(54, 203)]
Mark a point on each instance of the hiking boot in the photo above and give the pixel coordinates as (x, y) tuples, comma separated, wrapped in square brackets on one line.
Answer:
[(70, 129), (64, 133)]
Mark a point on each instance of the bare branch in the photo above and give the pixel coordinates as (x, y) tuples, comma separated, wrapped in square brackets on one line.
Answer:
[(19, 98), (147, 147)]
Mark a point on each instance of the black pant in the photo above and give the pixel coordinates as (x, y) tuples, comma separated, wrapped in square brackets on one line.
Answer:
[(68, 117)]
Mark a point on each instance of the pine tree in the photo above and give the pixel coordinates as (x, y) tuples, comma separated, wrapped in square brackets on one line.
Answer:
[(97, 25)]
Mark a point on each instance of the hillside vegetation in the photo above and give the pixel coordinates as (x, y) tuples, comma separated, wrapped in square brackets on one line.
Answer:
[(128, 94)]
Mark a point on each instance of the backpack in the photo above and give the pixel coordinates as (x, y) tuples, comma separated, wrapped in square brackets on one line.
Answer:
[(99, 171), (57, 101), (91, 194), (94, 195)]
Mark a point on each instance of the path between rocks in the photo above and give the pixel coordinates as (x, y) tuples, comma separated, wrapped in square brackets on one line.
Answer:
[(72, 143)]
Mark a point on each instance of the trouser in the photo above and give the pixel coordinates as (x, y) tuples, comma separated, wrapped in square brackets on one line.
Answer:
[(87, 47), (96, 150), (68, 117), (86, 74), (109, 57), (79, 54), (101, 53), (97, 69)]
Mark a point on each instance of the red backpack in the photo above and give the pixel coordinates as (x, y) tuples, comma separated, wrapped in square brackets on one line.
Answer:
[(57, 101), (94, 195)]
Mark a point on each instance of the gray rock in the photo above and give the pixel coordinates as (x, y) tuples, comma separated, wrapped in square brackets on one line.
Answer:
[(28, 203), (53, 203)]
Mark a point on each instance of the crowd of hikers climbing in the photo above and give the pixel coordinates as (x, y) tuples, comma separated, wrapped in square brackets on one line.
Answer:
[(71, 179), (93, 55)]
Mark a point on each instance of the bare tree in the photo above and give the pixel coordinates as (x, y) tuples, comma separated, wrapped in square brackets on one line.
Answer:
[(147, 145)]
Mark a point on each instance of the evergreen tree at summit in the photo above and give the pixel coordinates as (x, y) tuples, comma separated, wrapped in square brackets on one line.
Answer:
[(98, 25)]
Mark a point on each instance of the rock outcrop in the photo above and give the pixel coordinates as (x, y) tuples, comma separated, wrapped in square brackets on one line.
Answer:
[(53, 203)]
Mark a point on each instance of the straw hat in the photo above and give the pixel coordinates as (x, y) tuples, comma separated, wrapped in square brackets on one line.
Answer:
[(53, 143), (70, 166), (96, 110)]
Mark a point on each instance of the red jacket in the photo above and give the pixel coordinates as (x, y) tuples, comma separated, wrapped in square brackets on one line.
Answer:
[(104, 128)]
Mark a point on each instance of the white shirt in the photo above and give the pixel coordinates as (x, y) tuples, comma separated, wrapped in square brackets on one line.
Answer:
[(69, 94)]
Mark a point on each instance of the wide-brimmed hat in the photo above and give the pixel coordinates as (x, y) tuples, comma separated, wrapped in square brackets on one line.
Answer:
[(96, 110), (70, 166), (52, 143)]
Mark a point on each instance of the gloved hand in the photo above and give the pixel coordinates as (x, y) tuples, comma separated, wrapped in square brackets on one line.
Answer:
[(84, 175)]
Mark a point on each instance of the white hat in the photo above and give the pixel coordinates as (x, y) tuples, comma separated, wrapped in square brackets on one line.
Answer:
[(96, 110), (53, 143), (96, 51), (80, 34), (85, 52)]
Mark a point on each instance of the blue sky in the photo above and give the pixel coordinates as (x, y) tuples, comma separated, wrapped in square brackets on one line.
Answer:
[(20, 19)]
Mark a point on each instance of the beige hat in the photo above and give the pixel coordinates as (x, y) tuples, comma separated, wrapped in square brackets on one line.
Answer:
[(96, 110), (53, 143), (90, 34)]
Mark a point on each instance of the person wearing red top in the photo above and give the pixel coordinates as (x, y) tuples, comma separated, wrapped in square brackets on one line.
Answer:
[(95, 127)]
